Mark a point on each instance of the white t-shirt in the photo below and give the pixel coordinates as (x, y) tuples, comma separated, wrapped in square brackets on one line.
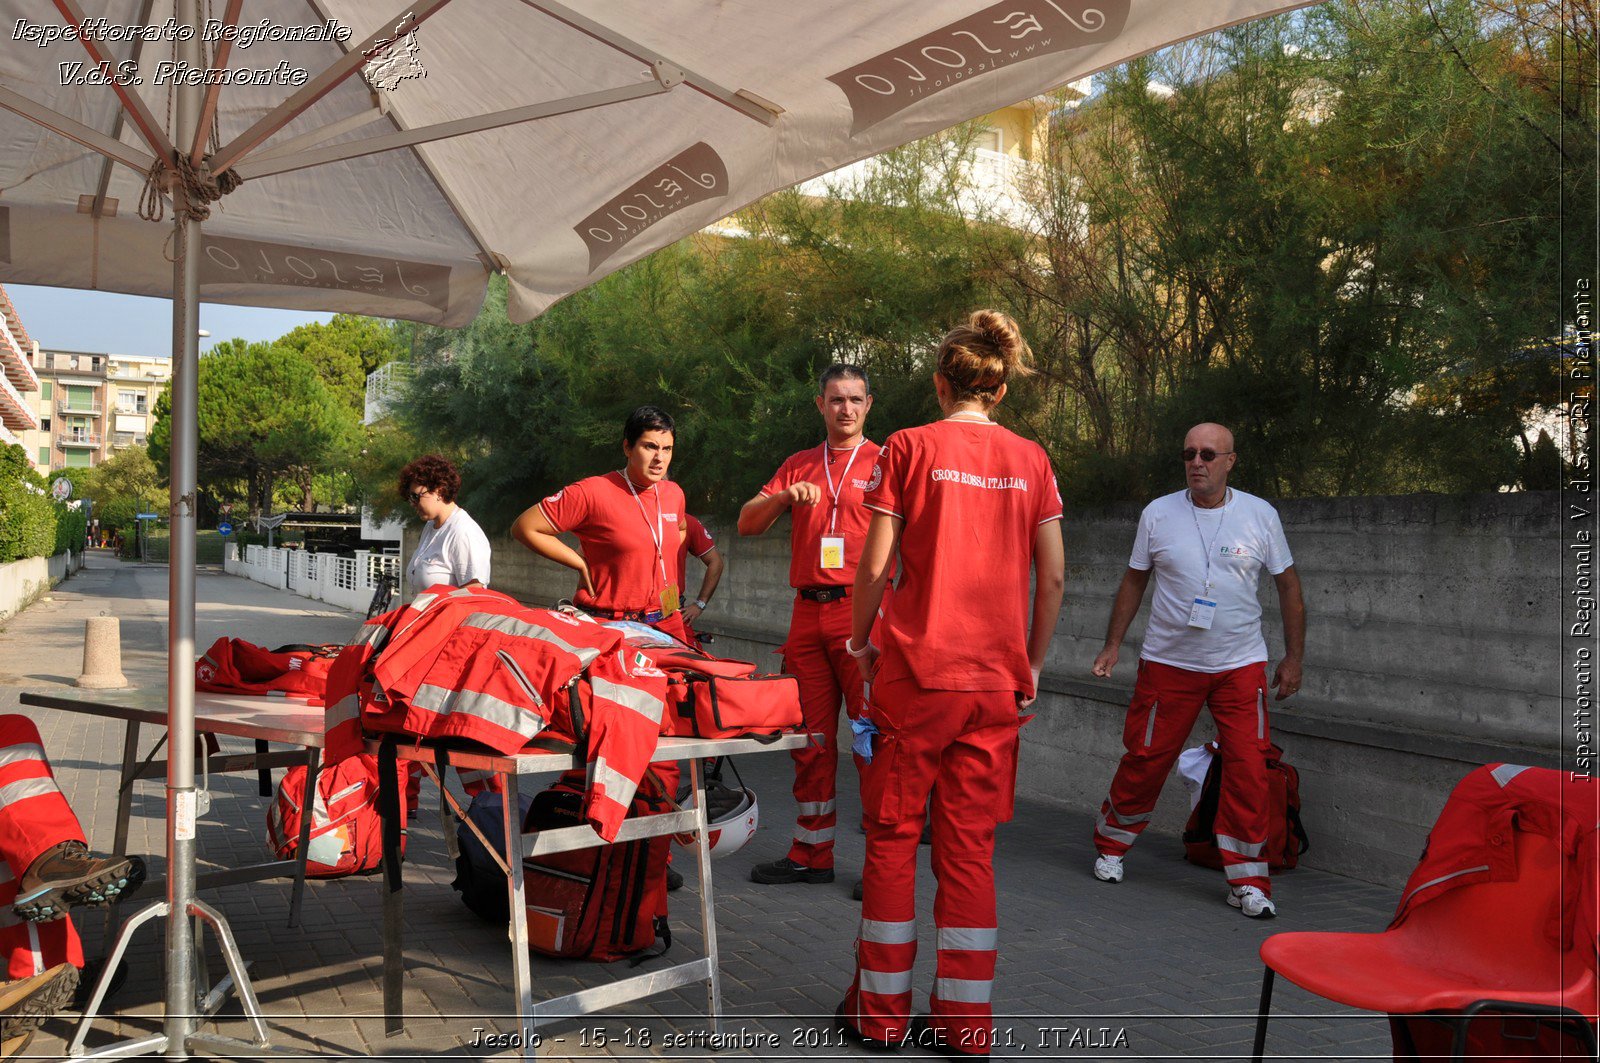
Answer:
[(456, 553), (1243, 536)]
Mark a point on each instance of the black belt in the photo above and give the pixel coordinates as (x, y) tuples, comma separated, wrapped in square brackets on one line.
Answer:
[(824, 594), (639, 615)]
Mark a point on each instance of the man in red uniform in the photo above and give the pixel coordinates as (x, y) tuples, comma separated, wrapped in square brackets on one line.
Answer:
[(1207, 546), (821, 488), (971, 508), (631, 526), (698, 541), (45, 869)]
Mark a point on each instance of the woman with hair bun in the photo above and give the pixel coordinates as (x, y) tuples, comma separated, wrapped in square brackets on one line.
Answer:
[(452, 548), (971, 508)]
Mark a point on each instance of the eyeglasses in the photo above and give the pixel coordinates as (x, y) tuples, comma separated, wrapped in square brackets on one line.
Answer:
[(1205, 454), (416, 497)]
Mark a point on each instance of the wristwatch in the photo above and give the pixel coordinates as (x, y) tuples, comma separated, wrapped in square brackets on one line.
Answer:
[(700, 604)]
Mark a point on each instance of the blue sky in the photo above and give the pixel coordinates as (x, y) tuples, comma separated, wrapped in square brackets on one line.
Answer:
[(73, 320)]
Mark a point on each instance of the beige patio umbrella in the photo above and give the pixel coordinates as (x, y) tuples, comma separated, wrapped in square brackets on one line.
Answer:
[(384, 158)]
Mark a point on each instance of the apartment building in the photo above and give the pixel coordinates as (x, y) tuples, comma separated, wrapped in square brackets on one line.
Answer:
[(91, 405), (19, 387)]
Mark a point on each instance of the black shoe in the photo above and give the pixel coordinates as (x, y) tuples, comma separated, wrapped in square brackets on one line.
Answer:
[(674, 880), (859, 890), (924, 1034), (68, 876), (782, 872), (927, 833), (848, 1028)]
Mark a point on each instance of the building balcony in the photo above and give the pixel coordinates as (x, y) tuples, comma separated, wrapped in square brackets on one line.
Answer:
[(14, 412), (94, 410), (83, 441), (126, 439), (68, 362), (14, 360), (7, 437)]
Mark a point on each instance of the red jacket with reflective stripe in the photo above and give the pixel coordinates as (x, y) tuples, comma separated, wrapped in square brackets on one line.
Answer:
[(475, 664), (234, 666)]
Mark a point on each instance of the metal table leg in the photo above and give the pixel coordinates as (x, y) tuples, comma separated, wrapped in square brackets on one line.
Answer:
[(521, 971), (307, 803), (119, 842), (708, 907)]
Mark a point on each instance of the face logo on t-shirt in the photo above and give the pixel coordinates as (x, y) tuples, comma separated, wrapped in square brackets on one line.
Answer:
[(669, 518), (1235, 551), (877, 478)]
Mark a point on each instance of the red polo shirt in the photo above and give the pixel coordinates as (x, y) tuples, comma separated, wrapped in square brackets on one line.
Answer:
[(972, 495), (838, 513), (699, 543), (629, 564)]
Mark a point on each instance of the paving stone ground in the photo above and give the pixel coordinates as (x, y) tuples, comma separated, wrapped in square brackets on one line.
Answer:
[(1156, 967)]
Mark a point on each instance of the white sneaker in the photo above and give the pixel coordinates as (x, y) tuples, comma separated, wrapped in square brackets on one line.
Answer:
[(1251, 901), (1108, 868)]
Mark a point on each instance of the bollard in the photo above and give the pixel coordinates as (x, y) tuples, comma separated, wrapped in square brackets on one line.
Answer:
[(102, 654)]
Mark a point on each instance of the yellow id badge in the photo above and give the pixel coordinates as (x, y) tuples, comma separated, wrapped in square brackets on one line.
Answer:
[(833, 551), (669, 600)]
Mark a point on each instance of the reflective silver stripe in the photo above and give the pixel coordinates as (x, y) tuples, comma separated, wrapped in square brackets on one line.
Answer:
[(1150, 728), (963, 990), (1234, 845), (342, 711), (1250, 870), (20, 752), (1443, 878), (1138, 817), (817, 808), (645, 704), (475, 703), (1116, 834), (1506, 772), (421, 602), (1261, 714), (813, 837), (888, 932), (26, 788), (371, 634), (462, 592), (969, 938), (510, 625), (619, 787), (886, 983)]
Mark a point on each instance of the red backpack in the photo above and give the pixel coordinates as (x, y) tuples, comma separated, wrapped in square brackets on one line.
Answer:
[(1286, 836), (346, 830), (234, 666)]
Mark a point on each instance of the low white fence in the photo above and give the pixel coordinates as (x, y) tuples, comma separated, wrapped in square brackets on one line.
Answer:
[(347, 582)]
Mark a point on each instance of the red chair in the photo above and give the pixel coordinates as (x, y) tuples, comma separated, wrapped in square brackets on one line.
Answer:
[(1480, 948)]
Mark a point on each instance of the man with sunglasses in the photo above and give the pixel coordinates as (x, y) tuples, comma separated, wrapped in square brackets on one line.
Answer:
[(1203, 645)]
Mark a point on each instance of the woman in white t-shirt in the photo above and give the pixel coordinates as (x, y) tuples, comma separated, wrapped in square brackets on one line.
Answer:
[(452, 548)]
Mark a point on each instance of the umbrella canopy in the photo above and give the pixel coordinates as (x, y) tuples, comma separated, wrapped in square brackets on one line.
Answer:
[(659, 117)]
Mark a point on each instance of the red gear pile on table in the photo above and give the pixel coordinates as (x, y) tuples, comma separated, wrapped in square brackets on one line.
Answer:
[(473, 663), (234, 666)]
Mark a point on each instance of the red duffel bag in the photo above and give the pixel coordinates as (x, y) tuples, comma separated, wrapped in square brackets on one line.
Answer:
[(720, 706)]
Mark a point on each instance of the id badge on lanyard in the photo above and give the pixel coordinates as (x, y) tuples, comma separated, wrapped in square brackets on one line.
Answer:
[(833, 542)]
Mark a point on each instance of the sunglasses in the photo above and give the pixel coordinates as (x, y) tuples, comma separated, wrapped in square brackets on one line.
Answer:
[(1205, 454), (416, 497)]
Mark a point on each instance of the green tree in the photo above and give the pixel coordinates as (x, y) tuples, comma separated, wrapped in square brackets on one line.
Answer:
[(343, 351), (266, 419), (123, 485)]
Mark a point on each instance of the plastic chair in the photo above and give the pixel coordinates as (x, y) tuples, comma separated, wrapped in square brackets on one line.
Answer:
[(1479, 948)]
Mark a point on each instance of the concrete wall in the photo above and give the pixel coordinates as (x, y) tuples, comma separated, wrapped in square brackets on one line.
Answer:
[(23, 582), (1432, 647)]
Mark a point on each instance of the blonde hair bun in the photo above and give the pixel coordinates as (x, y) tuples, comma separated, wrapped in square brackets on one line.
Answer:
[(978, 357)]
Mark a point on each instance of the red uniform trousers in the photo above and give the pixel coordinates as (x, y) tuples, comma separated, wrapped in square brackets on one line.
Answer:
[(961, 746), (34, 817), (814, 654), (1166, 703)]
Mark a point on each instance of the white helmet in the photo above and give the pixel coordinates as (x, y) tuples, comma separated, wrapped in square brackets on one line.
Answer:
[(733, 815)]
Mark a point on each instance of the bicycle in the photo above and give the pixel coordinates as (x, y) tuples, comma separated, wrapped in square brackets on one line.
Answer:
[(383, 594)]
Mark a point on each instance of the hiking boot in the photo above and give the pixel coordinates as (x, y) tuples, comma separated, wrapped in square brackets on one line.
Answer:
[(68, 876), (674, 880), (851, 1033), (1108, 868), (1252, 902), (782, 872), (27, 1002)]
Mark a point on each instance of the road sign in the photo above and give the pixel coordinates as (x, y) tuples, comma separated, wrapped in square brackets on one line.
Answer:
[(147, 516), (224, 528)]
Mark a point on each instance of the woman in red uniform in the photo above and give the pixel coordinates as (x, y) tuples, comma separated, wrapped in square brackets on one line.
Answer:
[(970, 507)]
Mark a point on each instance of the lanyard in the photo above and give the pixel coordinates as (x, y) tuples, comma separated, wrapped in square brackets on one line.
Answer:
[(655, 529), (834, 492), (1204, 546)]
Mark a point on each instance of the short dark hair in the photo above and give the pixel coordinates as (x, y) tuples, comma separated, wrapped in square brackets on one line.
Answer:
[(433, 473), (646, 419), (842, 371)]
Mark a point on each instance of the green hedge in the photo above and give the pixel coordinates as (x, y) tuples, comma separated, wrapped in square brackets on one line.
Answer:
[(32, 524)]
